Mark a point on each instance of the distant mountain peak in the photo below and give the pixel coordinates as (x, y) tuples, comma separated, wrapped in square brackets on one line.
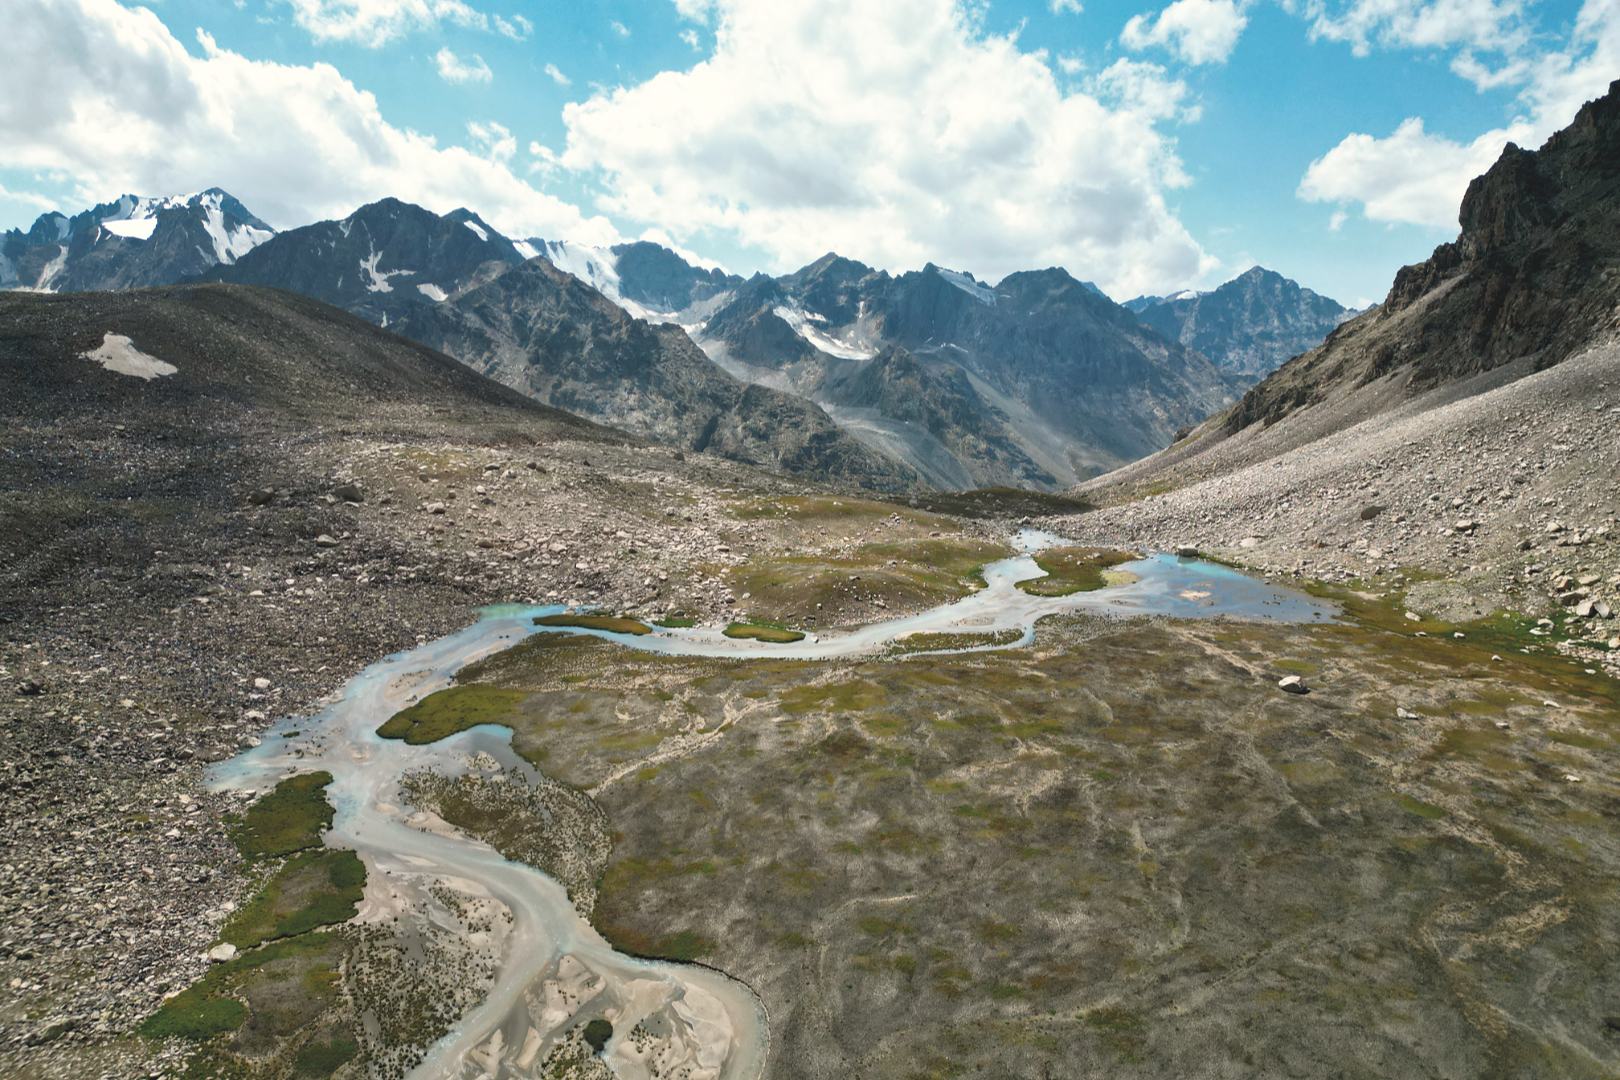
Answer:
[(132, 241)]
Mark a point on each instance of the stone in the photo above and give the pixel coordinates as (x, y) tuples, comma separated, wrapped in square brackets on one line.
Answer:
[(260, 496), (1584, 609), (1249, 542), (1571, 598), (1371, 510), (1293, 684), (1602, 609), (1187, 551), (1555, 527), (350, 493), (1414, 616), (1466, 525), (326, 541), (221, 954), (1404, 714), (434, 508)]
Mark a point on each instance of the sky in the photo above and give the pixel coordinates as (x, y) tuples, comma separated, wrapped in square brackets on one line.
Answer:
[(1148, 147)]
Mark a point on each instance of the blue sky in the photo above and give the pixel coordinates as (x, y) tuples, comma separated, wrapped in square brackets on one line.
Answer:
[(1149, 147)]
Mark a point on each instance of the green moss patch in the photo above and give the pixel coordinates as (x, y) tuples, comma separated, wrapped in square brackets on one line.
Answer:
[(613, 624), (775, 635), (448, 711), (1074, 569), (289, 819), (314, 889)]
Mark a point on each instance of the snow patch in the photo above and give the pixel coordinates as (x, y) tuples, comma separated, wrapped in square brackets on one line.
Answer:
[(51, 270), (433, 292), (139, 229), (526, 249), (1187, 294), (379, 281), (596, 267), (982, 293), (118, 353), (482, 235), (801, 321)]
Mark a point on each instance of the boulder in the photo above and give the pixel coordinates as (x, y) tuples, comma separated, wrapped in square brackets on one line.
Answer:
[(260, 496), (1293, 684), (326, 541), (350, 493), (1187, 551), (221, 954), (1371, 510)]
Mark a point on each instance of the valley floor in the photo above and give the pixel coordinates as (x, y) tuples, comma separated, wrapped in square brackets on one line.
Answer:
[(1122, 849)]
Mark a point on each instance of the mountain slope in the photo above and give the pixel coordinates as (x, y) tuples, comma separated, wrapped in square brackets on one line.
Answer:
[(130, 243), (1249, 325), (541, 330), (1466, 426), (1036, 382)]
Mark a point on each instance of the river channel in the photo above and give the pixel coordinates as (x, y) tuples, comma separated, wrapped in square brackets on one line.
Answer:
[(553, 967)]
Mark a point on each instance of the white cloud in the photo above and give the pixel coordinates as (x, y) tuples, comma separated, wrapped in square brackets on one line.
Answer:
[(376, 22), (691, 38), (29, 198), (619, 28), (1491, 25), (107, 96), (1071, 65), (454, 69), (557, 76), (1060, 7), (1197, 31), (518, 29), (894, 133), (696, 10), (1411, 177), (497, 141), (1416, 177)]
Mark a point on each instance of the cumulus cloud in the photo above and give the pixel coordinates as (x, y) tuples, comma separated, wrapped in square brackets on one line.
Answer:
[(377, 22), (1062, 7), (1411, 177), (691, 38), (696, 10), (895, 133), (106, 94), (1416, 177), (1197, 31), (454, 69), (557, 76)]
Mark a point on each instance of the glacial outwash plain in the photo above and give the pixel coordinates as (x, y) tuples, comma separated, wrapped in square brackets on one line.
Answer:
[(544, 691)]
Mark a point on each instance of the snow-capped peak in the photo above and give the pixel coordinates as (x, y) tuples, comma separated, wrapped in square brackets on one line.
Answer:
[(135, 217)]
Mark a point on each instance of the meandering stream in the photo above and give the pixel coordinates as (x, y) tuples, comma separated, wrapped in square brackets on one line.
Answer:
[(552, 963)]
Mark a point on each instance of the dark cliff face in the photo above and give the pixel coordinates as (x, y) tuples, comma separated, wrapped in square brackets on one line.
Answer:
[(380, 262), (656, 277), (1534, 274), (1248, 326)]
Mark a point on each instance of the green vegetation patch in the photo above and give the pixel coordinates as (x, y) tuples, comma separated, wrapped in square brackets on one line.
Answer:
[(597, 1034), (207, 1008), (288, 820), (676, 622), (1074, 569), (1420, 809), (314, 889), (442, 714), (325, 1058), (613, 624), (948, 642), (775, 635), (839, 697), (685, 945)]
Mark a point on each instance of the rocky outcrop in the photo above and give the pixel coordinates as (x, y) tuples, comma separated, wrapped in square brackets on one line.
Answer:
[(1533, 277)]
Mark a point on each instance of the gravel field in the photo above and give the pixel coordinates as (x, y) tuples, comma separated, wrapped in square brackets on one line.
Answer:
[(1505, 495)]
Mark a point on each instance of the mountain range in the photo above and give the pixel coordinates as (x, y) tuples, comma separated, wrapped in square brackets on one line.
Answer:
[(130, 243), (929, 378)]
